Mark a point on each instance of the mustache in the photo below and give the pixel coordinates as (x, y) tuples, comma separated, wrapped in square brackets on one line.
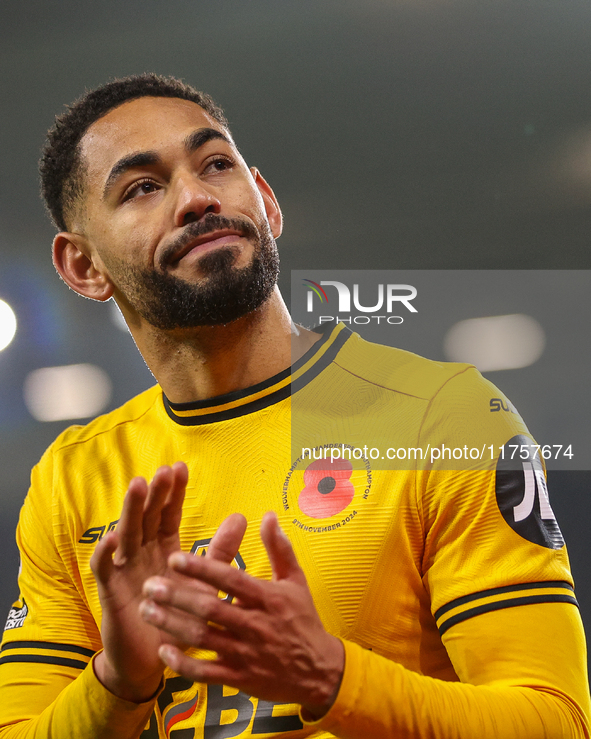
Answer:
[(210, 223)]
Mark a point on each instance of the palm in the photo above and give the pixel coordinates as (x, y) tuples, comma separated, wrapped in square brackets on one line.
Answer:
[(121, 597), (147, 534)]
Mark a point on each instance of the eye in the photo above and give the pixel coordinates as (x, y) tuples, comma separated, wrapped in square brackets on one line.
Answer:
[(218, 164), (141, 187)]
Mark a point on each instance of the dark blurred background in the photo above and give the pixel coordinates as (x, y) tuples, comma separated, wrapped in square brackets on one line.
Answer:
[(422, 134)]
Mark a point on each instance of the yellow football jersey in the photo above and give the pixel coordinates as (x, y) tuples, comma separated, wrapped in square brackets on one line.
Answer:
[(424, 530)]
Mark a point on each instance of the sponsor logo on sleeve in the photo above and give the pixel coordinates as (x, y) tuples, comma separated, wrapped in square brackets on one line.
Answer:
[(500, 404), (16, 616), (522, 495)]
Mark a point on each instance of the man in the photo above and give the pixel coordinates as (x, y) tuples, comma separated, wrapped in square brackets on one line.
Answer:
[(432, 600)]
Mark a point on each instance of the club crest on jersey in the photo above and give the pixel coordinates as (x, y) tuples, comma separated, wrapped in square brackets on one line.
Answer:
[(16, 615), (199, 549), (328, 482), (522, 495)]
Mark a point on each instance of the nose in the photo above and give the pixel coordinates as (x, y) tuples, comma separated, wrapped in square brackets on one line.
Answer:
[(194, 200)]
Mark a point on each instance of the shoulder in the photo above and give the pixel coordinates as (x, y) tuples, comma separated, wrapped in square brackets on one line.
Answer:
[(443, 400), (129, 414), (83, 455), (400, 371)]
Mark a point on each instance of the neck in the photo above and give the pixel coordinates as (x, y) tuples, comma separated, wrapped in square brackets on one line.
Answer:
[(204, 362)]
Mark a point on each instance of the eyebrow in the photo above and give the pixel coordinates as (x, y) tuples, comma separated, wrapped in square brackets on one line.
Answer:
[(200, 137), (192, 142)]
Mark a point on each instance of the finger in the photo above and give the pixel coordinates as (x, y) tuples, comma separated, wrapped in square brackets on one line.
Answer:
[(281, 555), (222, 576), (129, 527), (190, 626), (172, 512), (198, 670), (227, 540), (187, 631), (158, 493), (174, 604), (101, 562)]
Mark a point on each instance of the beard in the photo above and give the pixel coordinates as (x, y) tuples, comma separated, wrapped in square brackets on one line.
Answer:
[(223, 295)]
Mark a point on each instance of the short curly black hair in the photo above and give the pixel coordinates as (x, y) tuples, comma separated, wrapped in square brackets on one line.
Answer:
[(60, 166)]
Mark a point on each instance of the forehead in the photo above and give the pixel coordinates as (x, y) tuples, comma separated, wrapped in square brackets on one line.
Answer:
[(146, 124)]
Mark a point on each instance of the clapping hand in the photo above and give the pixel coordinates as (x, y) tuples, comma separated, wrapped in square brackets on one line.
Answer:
[(269, 640), (146, 536)]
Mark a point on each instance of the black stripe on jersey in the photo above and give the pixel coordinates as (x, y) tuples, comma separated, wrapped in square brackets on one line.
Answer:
[(44, 659), (267, 400), (47, 645), (497, 591), (242, 410), (501, 604), (324, 361), (239, 394), (228, 397)]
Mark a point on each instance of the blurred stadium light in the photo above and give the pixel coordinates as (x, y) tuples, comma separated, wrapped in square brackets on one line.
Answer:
[(7, 324), (67, 392), (496, 342)]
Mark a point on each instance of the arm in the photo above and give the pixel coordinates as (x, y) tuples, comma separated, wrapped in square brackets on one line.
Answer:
[(505, 697), (274, 646), (45, 703), (113, 694)]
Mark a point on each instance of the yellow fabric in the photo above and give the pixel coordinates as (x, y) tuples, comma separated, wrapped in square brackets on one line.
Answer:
[(70, 703), (381, 699), (391, 552)]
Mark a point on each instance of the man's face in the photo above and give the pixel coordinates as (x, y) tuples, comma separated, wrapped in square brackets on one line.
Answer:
[(174, 217)]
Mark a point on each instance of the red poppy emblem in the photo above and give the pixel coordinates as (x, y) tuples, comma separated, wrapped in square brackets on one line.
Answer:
[(328, 490)]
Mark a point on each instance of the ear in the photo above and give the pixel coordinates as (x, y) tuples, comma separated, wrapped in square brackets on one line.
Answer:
[(72, 260), (272, 208)]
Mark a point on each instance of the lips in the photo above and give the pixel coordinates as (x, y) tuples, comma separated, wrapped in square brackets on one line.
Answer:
[(205, 242)]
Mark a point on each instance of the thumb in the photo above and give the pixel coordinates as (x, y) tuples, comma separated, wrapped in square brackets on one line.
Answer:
[(281, 555), (227, 539)]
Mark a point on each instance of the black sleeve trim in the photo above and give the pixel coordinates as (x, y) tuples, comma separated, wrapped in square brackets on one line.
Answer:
[(497, 591), (44, 659), (501, 604), (47, 645)]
